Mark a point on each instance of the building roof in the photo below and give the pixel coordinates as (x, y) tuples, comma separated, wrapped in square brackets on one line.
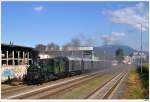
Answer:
[(78, 49), (16, 47), (3, 44), (138, 53)]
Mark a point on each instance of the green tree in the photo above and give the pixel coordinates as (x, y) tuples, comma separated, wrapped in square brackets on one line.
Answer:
[(119, 54)]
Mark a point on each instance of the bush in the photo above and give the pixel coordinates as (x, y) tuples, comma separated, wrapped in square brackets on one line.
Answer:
[(13, 81), (144, 76), (145, 68)]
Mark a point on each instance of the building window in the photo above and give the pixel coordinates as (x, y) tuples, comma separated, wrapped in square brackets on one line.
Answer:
[(4, 62), (30, 62), (10, 62), (15, 54), (16, 62), (4, 54)]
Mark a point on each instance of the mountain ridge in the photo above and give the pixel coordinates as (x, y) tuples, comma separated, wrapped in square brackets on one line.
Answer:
[(108, 51)]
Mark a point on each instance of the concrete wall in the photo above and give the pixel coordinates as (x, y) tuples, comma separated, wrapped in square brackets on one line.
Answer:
[(13, 71)]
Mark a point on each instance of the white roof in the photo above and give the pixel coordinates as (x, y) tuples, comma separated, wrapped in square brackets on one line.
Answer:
[(79, 48), (85, 59), (74, 58)]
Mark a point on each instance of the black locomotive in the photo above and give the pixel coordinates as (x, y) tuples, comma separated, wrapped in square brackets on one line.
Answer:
[(45, 70)]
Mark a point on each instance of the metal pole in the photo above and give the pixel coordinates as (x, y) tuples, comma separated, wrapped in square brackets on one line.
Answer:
[(7, 57), (72, 53), (138, 57), (141, 48), (104, 59), (13, 59)]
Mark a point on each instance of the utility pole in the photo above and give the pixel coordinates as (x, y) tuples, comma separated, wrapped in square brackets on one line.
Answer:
[(138, 60), (141, 49), (104, 59)]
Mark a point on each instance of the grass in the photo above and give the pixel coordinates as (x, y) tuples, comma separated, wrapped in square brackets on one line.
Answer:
[(144, 76), (11, 84), (5, 86), (137, 84), (14, 84)]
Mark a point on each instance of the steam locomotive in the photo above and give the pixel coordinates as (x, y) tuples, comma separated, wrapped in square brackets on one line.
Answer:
[(45, 70)]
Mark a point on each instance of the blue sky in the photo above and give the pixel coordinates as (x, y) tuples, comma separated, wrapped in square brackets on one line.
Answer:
[(31, 23)]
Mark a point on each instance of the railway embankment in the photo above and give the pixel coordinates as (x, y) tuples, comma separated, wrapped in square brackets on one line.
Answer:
[(137, 84)]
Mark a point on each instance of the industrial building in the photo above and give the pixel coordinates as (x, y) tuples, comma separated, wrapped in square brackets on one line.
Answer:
[(81, 52), (15, 59), (137, 56)]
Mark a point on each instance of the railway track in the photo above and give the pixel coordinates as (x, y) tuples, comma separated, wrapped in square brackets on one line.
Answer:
[(44, 91), (11, 94), (66, 87), (44, 94), (106, 90), (7, 90)]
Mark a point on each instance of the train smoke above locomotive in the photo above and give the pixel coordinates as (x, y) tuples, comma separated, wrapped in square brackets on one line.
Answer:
[(80, 40)]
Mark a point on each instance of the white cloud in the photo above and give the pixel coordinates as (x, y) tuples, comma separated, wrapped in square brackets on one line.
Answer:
[(118, 34), (38, 8), (140, 5), (132, 16), (112, 37)]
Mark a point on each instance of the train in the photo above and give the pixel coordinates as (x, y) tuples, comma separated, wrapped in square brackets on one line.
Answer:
[(45, 70)]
